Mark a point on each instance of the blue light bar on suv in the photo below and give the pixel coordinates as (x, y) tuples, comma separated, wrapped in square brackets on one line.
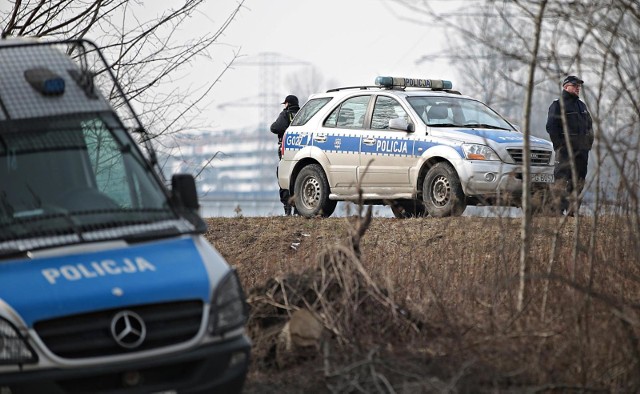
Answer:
[(391, 82)]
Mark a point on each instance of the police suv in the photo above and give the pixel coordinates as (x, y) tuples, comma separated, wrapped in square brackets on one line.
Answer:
[(106, 281), (413, 144)]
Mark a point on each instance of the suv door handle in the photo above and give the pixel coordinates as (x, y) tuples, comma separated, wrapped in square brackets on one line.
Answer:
[(320, 138), (369, 141)]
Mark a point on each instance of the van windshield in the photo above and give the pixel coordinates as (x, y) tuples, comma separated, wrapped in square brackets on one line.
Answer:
[(69, 179)]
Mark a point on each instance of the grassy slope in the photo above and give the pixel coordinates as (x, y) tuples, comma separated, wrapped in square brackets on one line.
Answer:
[(457, 278)]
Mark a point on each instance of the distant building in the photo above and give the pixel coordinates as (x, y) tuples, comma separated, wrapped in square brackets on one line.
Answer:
[(228, 164)]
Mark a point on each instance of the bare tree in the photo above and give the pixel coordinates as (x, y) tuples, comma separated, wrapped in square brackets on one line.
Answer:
[(145, 45), (306, 82), (495, 43)]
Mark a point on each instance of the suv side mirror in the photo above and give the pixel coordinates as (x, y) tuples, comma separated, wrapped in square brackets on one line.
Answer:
[(400, 124), (183, 190)]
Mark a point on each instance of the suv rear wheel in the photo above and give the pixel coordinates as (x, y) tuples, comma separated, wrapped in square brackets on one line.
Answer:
[(442, 191), (311, 192)]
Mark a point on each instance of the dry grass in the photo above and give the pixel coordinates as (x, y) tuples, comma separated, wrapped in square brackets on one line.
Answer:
[(429, 305)]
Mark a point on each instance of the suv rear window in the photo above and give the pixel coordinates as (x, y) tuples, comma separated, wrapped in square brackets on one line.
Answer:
[(308, 110)]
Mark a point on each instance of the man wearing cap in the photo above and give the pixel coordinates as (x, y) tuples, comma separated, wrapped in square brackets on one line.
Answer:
[(578, 127), (278, 127)]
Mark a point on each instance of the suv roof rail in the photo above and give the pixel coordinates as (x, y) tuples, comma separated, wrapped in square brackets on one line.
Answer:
[(354, 87), (393, 88)]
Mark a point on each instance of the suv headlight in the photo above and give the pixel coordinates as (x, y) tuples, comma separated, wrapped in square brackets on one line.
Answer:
[(13, 347), (228, 306), (479, 152)]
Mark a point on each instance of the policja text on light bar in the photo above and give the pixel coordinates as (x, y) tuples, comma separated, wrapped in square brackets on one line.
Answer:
[(391, 82)]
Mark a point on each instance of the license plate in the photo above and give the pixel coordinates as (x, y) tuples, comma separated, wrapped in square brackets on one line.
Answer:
[(542, 178)]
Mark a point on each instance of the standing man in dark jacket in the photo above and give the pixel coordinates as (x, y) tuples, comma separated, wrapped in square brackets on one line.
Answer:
[(578, 127), (278, 127)]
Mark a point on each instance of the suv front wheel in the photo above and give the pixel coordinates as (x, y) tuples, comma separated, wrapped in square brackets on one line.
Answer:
[(311, 192), (442, 192)]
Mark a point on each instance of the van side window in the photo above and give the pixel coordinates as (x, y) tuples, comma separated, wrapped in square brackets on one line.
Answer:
[(386, 108)]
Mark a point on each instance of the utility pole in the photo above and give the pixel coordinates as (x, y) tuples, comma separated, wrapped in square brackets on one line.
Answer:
[(269, 65)]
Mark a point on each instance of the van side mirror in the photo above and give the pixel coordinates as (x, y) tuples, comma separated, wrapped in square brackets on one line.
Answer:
[(400, 124), (183, 191), (185, 196)]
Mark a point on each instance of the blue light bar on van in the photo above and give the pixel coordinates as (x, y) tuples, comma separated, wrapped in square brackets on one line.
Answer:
[(391, 82), (45, 81)]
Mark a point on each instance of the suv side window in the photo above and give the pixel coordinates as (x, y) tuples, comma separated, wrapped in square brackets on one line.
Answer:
[(350, 114), (386, 108)]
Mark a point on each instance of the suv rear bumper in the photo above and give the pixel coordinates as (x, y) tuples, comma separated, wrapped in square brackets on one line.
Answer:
[(218, 367)]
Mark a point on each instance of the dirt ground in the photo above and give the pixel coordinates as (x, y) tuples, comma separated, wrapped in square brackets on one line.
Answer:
[(430, 305)]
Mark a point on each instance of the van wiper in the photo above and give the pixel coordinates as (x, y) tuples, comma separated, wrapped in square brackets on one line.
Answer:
[(75, 227), (484, 126), (152, 234), (5, 205), (9, 253), (40, 215)]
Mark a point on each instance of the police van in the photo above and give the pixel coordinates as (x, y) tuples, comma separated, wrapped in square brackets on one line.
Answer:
[(413, 144), (106, 281)]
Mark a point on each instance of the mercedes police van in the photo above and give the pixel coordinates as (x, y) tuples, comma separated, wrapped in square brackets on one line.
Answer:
[(106, 281), (413, 144)]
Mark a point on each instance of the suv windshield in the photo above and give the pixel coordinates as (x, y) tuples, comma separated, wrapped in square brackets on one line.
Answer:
[(71, 178), (457, 112)]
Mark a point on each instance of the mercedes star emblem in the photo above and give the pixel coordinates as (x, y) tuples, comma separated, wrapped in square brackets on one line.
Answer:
[(128, 329)]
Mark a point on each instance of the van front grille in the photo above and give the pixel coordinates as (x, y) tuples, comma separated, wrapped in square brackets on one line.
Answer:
[(538, 156), (90, 334)]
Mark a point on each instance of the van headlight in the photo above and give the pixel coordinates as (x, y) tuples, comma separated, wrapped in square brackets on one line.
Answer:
[(13, 347), (479, 152), (228, 306)]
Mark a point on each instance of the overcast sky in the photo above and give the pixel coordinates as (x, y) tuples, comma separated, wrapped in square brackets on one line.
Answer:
[(348, 42)]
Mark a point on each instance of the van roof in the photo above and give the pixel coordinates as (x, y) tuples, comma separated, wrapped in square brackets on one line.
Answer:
[(19, 99)]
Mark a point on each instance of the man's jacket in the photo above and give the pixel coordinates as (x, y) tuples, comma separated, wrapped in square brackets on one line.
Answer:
[(579, 123), (284, 120)]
